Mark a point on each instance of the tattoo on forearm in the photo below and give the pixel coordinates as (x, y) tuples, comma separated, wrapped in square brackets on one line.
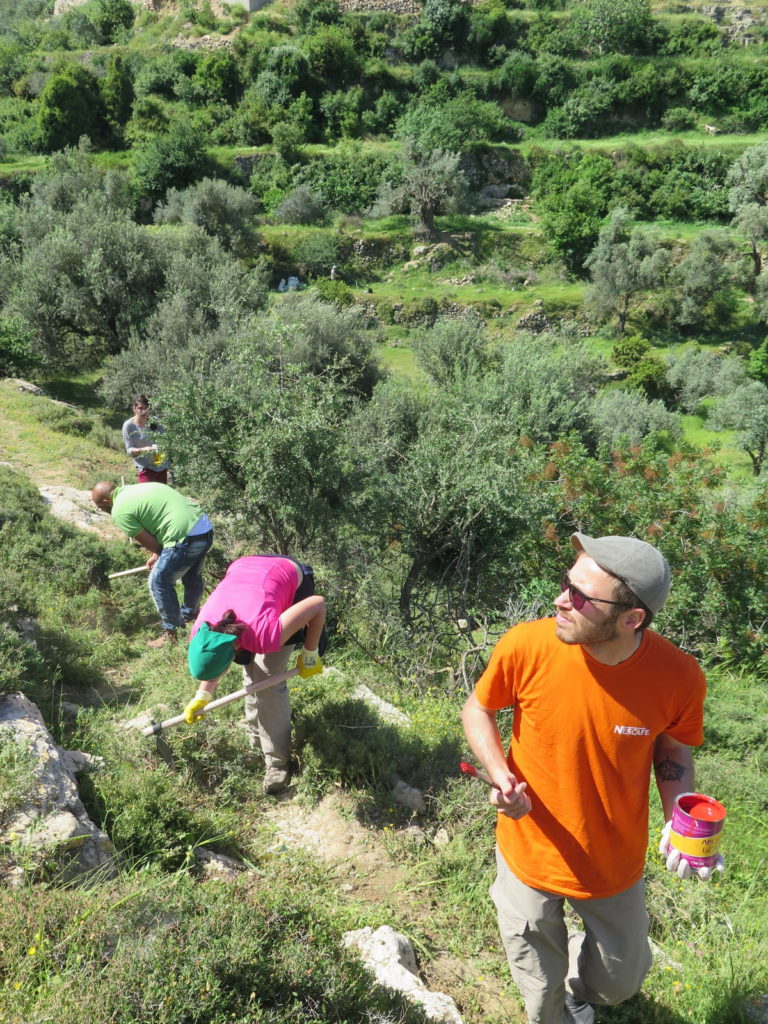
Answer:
[(669, 771)]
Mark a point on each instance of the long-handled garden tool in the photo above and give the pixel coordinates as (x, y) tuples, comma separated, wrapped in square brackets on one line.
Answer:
[(127, 572), (157, 727)]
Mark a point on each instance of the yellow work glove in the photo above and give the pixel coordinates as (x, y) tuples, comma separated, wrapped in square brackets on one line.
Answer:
[(309, 664), (195, 710)]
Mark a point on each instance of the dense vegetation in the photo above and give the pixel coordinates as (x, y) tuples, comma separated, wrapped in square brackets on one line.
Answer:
[(456, 386)]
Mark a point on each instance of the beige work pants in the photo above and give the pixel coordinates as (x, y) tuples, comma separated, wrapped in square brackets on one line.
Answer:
[(604, 964), (268, 712)]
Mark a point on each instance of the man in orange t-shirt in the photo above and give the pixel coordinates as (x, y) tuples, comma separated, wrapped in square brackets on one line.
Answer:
[(598, 699)]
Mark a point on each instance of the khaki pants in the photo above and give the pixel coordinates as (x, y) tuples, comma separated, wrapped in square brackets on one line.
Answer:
[(604, 964), (268, 712)]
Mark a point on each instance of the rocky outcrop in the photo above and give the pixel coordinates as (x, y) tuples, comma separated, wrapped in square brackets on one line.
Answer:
[(393, 6), (737, 22), (76, 508), (49, 834), (389, 955), (497, 165)]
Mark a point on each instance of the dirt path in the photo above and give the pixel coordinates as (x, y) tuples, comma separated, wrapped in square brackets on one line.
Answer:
[(365, 868)]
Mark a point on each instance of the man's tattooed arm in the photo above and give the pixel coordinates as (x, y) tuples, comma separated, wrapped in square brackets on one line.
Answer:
[(673, 765), (669, 771)]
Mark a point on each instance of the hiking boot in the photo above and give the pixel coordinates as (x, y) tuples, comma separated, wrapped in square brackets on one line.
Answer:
[(578, 1011), (276, 779), (168, 636)]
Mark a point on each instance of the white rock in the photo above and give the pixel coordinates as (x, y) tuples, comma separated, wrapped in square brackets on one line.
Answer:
[(408, 796), (217, 866), (442, 839), (51, 828), (387, 712), (389, 955)]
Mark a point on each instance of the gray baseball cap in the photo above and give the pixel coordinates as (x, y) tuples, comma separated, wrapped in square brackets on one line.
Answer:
[(644, 569)]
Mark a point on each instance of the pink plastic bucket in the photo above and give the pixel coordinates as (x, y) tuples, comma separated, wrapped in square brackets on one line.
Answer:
[(697, 824)]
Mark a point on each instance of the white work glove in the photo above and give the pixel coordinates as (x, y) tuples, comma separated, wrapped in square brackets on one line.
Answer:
[(675, 862)]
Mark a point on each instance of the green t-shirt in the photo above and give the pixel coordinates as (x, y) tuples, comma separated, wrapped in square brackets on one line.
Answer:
[(156, 508)]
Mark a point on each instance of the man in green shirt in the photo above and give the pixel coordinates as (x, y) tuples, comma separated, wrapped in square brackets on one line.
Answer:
[(177, 534)]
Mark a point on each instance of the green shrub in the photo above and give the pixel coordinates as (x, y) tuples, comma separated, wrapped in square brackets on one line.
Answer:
[(317, 253), (678, 119), (144, 812), (70, 106), (64, 420), (172, 160), (22, 667), (301, 206), (18, 357), (17, 770), (341, 739), (336, 292), (347, 179)]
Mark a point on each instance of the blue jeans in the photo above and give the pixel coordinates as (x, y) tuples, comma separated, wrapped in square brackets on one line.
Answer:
[(183, 562)]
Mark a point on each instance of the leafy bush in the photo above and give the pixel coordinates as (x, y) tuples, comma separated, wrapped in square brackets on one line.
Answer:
[(302, 206), (452, 124), (111, 17), (18, 356), (70, 106), (217, 77), (678, 119), (64, 420), (22, 667), (335, 292), (628, 417), (220, 209), (347, 178), (342, 739), (172, 160), (162, 74), (316, 254)]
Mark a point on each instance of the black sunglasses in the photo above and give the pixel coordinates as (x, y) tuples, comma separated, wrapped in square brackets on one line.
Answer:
[(578, 599)]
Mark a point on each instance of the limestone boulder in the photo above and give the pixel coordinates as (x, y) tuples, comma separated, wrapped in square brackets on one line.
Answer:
[(49, 835), (389, 956)]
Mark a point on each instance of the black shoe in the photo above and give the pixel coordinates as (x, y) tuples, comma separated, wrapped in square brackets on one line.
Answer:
[(579, 1012)]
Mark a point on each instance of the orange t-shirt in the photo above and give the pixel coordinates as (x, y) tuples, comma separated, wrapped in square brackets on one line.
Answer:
[(582, 738)]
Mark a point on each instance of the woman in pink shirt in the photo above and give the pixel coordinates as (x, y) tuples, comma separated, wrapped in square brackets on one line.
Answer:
[(264, 606)]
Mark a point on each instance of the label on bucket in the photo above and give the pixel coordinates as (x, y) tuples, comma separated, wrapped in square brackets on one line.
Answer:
[(703, 846)]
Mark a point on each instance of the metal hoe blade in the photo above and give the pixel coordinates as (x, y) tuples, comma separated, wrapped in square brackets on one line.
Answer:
[(163, 748)]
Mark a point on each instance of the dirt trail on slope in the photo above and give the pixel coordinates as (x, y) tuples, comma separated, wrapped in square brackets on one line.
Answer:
[(366, 869)]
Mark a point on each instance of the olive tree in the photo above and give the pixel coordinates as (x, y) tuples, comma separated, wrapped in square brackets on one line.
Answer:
[(206, 296), (625, 264), (262, 446), (429, 184), (86, 285), (748, 199), (745, 410)]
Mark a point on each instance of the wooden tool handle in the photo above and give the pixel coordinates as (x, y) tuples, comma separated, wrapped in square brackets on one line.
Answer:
[(156, 727), (127, 572)]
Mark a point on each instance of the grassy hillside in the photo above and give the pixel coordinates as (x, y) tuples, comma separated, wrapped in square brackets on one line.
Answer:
[(228, 152), (161, 944)]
